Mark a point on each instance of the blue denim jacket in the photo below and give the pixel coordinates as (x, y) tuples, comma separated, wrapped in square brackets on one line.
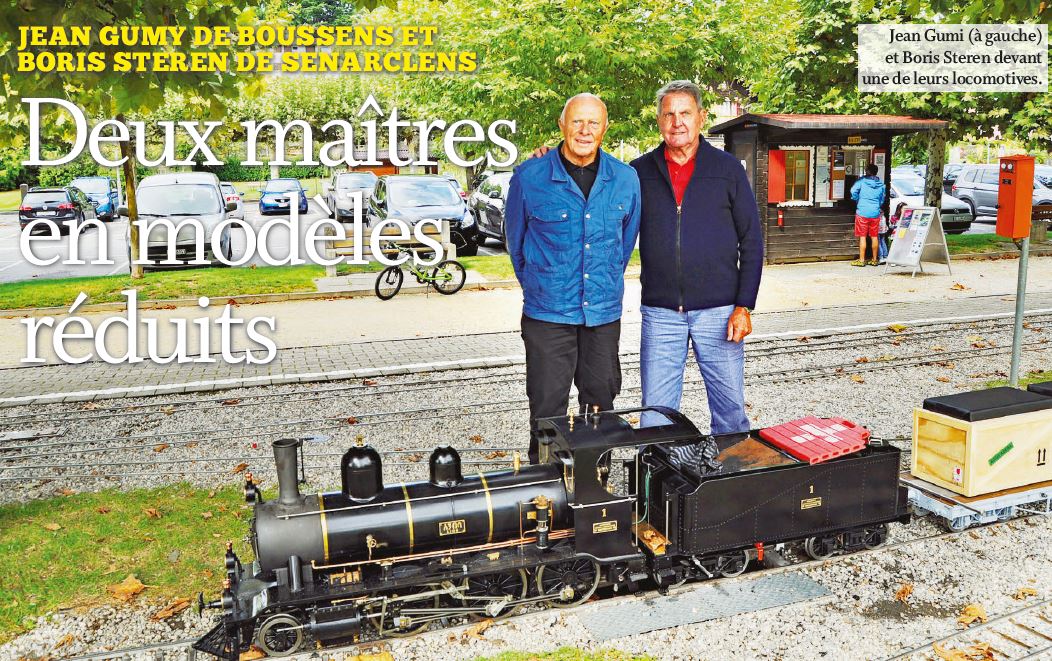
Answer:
[(569, 253)]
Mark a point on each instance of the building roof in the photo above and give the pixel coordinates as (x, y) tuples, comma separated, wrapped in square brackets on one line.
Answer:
[(897, 123)]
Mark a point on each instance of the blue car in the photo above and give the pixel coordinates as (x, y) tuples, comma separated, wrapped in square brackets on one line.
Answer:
[(278, 194), (102, 191)]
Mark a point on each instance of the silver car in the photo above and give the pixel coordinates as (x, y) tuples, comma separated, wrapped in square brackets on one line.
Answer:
[(339, 191), (977, 186), (231, 194), (908, 191), (181, 198)]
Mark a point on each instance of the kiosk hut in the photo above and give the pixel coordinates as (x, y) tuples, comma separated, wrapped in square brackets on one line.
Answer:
[(802, 168)]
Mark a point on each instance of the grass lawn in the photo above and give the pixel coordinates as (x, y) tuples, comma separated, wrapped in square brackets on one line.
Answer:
[(70, 548), (162, 285), (9, 200), (1024, 380), (960, 244)]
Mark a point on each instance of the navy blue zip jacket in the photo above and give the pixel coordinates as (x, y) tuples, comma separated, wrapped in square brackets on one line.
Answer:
[(709, 252)]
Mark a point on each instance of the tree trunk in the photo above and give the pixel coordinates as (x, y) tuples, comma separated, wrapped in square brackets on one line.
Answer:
[(936, 163), (130, 202)]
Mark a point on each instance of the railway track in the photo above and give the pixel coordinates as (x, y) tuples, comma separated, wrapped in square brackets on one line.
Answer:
[(160, 651)]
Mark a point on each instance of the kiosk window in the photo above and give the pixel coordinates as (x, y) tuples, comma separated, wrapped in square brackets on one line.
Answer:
[(797, 174)]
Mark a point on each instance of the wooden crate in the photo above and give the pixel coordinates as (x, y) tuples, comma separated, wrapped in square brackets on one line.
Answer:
[(976, 458)]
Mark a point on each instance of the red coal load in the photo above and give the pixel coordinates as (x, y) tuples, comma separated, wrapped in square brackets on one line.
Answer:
[(815, 440)]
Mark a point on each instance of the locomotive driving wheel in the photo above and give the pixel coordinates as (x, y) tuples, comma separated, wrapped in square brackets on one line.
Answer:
[(875, 536), (511, 583), (280, 635), (390, 622), (568, 583), (819, 548), (729, 566)]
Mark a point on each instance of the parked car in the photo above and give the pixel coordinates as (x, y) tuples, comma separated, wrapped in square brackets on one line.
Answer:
[(278, 195), (56, 206), (1043, 173), (339, 189), (977, 186), (456, 184), (231, 194), (102, 191), (487, 203), (908, 191), (949, 176), (179, 197), (417, 197)]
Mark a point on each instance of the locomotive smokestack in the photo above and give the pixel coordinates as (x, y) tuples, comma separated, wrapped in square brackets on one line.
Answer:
[(288, 466)]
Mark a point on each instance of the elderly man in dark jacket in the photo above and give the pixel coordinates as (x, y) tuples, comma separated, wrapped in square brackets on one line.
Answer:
[(701, 250)]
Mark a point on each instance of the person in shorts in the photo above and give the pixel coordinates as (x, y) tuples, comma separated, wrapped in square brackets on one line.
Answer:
[(869, 193)]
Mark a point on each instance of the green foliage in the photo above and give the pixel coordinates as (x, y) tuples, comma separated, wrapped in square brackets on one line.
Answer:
[(323, 12), (12, 172), (61, 175), (233, 170), (161, 285)]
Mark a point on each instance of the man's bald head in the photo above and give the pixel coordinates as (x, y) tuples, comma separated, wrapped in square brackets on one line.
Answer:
[(583, 123)]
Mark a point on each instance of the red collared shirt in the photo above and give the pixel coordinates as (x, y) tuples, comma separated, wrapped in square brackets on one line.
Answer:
[(680, 175)]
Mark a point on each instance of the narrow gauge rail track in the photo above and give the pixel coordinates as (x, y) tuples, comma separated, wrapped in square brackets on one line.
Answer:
[(148, 651), (26, 472), (865, 339), (1025, 633)]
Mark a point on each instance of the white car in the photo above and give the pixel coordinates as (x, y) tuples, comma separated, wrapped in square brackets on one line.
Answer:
[(339, 190), (231, 194), (180, 198)]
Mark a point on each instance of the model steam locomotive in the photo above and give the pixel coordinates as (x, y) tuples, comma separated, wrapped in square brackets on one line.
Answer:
[(609, 505)]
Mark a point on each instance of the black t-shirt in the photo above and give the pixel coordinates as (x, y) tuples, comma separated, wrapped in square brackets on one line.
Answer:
[(583, 175)]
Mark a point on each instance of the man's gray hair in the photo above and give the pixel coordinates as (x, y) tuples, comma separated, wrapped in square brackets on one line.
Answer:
[(582, 95), (679, 87)]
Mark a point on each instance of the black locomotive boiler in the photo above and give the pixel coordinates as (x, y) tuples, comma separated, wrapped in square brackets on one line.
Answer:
[(610, 505)]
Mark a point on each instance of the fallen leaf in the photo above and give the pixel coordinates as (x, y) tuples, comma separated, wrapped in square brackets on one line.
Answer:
[(211, 494), (168, 410), (803, 338), (252, 654), (904, 592), (206, 515), (66, 491), (414, 457), (152, 513), (240, 468), (857, 378), (231, 402), (937, 348), (476, 630), (976, 652), (634, 419), (90, 406), (103, 509), (191, 444), (352, 420), (126, 589), (369, 382), (53, 527), (1023, 593), (862, 359), (897, 328), (173, 607), (496, 454), (958, 286), (160, 447), (65, 640), (943, 379), (477, 438), (971, 613), (885, 358)]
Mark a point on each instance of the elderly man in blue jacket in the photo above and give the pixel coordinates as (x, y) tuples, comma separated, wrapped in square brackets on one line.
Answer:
[(701, 250), (571, 221)]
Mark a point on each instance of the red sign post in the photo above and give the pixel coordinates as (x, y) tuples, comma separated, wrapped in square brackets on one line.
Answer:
[(1015, 205)]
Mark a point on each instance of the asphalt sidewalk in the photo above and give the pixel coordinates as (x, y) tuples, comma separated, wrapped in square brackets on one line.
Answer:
[(352, 360)]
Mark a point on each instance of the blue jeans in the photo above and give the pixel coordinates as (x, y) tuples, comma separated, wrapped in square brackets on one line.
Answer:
[(663, 355)]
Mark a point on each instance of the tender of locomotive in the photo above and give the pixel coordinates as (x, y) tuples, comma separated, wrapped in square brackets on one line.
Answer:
[(612, 504)]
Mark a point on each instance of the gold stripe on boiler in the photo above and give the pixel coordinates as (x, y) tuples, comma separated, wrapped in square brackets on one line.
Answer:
[(409, 517)]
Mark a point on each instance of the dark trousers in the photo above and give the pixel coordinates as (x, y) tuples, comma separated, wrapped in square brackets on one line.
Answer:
[(560, 354)]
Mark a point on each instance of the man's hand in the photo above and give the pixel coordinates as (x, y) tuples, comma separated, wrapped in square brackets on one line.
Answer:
[(739, 325), (541, 151)]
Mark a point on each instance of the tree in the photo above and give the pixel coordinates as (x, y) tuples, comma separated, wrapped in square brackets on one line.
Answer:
[(108, 94), (821, 71), (534, 54)]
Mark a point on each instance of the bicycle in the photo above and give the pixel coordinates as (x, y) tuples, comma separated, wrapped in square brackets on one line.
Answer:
[(447, 277)]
